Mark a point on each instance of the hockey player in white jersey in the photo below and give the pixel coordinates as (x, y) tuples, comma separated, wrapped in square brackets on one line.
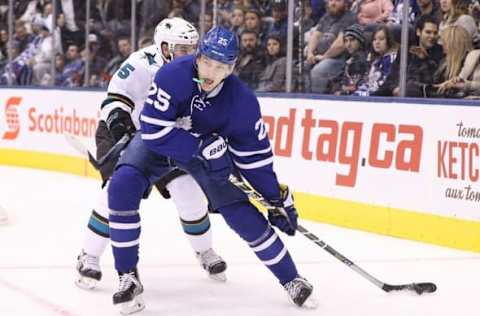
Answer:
[(127, 92)]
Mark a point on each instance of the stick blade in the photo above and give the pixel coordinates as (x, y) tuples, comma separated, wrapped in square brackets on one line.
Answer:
[(76, 143), (80, 147), (419, 288)]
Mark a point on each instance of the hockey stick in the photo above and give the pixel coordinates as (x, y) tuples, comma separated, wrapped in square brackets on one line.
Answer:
[(419, 288), (111, 153)]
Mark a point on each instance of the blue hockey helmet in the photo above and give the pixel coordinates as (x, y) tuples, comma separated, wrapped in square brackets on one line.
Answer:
[(219, 44)]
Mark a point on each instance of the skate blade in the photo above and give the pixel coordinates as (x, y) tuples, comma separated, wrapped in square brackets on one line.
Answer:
[(86, 283), (219, 277), (134, 306)]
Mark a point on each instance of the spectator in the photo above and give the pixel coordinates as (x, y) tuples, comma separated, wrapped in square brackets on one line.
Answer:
[(423, 59), (307, 22), (280, 18), (253, 22), (25, 10), (20, 68), (42, 60), (457, 43), (72, 75), (468, 82), (7, 69), (190, 8), (325, 46), (124, 49), (250, 62), (383, 54), (237, 20), (46, 15), (372, 11), (474, 10), (396, 15), (318, 9), (457, 14), (225, 8), (59, 65), (207, 21), (67, 36), (3, 44), (152, 12), (22, 37), (273, 77), (96, 62), (444, 7), (356, 66), (429, 8), (263, 6), (68, 12)]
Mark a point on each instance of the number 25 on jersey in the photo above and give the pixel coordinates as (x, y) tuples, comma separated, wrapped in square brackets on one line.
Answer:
[(159, 98)]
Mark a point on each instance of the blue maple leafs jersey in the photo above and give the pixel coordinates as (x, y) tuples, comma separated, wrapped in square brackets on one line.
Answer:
[(230, 110)]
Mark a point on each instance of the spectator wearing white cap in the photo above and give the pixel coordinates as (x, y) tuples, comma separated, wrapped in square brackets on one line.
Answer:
[(96, 62)]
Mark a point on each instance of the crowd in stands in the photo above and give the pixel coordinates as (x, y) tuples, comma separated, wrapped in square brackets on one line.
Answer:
[(345, 48)]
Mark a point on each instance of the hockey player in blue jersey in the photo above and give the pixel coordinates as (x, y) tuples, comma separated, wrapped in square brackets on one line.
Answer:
[(222, 131)]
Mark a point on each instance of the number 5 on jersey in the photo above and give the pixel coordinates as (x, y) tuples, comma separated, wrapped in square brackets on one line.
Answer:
[(159, 98)]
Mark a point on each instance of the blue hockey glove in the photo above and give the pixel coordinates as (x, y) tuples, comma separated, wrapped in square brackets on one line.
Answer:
[(120, 123), (212, 153), (284, 216)]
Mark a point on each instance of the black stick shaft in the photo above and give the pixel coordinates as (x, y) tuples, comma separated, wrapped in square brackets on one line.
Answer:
[(417, 287)]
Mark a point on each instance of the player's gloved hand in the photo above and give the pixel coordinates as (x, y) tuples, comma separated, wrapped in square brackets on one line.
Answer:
[(120, 123), (284, 216), (213, 155)]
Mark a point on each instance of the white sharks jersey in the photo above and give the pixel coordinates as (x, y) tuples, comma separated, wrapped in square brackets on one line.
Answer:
[(129, 86)]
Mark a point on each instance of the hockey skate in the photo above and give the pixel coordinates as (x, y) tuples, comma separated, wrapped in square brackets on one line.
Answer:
[(88, 269), (300, 293), (213, 264), (129, 296)]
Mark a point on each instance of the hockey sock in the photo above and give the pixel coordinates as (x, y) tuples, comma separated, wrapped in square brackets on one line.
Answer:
[(252, 226), (198, 233), (98, 233), (191, 205), (125, 191), (97, 236)]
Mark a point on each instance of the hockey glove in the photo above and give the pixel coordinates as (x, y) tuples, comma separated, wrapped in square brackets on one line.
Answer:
[(212, 154), (120, 123), (284, 216)]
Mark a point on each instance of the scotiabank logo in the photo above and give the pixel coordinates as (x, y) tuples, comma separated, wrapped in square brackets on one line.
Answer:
[(59, 122), (12, 118)]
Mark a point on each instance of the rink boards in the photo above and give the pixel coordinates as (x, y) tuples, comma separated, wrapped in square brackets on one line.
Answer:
[(401, 169)]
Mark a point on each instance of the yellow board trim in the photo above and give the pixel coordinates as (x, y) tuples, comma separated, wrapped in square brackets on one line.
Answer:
[(48, 161), (407, 224), (428, 228)]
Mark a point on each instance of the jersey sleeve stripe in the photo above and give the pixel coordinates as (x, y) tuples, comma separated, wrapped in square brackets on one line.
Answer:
[(105, 111), (254, 165), (154, 121), (112, 97), (157, 135), (239, 153)]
